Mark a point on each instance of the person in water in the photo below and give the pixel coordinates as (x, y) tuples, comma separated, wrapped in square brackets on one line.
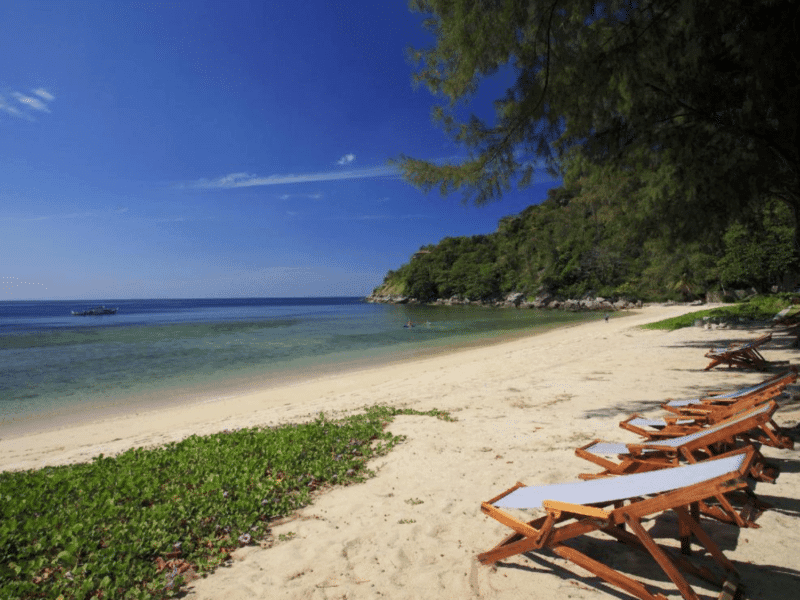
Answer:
[(409, 324)]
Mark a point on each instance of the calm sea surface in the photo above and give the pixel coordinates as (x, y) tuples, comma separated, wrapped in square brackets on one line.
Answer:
[(59, 367)]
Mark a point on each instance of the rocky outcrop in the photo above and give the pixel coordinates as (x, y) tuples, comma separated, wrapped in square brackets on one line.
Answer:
[(518, 300), (390, 299)]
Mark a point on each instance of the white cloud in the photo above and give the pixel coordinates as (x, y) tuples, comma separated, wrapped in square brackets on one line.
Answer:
[(43, 93), (13, 110), (31, 102), (385, 217), (91, 214), (346, 159), (315, 196), (233, 180), (236, 180)]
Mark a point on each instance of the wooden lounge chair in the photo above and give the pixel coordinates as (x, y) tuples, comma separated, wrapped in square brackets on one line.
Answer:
[(744, 356), (717, 406), (788, 317), (661, 428), (612, 505), (711, 441), (654, 428)]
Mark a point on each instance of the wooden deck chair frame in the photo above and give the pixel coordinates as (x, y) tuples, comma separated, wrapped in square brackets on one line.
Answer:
[(667, 426), (743, 356), (701, 445), (710, 441), (568, 520), (715, 407), (671, 427)]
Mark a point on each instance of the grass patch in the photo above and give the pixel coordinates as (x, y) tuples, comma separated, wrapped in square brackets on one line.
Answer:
[(139, 525), (758, 308)]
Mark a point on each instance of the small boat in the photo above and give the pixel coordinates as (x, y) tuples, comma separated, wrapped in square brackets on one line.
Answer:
[(96, 311)]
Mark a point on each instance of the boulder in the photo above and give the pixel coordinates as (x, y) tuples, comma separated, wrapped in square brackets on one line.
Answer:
[(719, 296), (514, 298)]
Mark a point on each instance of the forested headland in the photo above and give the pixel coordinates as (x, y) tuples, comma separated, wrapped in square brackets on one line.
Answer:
[(599, 237), (673, 126)]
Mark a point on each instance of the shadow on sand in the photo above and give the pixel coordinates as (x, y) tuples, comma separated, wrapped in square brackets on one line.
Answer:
[(768, 581)]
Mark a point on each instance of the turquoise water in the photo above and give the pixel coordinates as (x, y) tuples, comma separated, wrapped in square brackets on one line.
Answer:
[(155, 352)]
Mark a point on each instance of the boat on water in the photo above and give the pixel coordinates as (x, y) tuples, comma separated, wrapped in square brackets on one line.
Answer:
[(93, 312)]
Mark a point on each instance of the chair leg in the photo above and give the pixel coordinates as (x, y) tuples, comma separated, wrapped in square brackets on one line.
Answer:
[(683, 563), (704, 539), (612, 576), (685, 535), (661, 558)]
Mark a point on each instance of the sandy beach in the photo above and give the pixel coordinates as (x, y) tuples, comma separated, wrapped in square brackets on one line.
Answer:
[(522, 407)]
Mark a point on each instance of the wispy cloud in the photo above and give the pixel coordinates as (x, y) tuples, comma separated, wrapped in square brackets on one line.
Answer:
[(13, 110), (174, 219), (346, 159), (90, 214), (31, 102), (43, 93), (36, 102), (237, 180), (316, 196), (355, 217), (384, 217)]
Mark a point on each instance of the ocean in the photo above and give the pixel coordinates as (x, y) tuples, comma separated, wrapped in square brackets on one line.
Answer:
[(57, 368)]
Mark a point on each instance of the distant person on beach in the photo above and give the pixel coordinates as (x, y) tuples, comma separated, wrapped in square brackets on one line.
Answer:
[(606, 317)]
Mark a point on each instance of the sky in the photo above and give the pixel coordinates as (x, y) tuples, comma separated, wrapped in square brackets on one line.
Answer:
[(218, 149)]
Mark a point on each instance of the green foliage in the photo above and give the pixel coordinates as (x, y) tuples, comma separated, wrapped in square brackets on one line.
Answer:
[(758, 308), (761, 251), (605, 234), (455, 266), (103, 529), (704, 95)]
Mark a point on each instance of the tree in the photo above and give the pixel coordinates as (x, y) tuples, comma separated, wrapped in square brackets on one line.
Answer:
[(759, 252), (702, 94)]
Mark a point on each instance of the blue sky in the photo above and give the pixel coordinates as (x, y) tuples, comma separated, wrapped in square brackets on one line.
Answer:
[(217, 149)]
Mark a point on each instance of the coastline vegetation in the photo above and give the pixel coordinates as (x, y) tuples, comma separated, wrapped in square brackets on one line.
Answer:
[(143, 523), (758, 308), (598, 237), (680, 161)]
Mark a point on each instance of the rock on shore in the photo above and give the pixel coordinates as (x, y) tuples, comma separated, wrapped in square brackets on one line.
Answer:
[(518, 300)]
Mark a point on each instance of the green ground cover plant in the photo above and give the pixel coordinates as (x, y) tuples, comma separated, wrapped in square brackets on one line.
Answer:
[(758, 308), (140, 524)]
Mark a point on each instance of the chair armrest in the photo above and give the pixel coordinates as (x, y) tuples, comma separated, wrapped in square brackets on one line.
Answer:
[(576, 509)]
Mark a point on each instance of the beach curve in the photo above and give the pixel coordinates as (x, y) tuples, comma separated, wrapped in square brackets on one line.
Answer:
[(413, 531)]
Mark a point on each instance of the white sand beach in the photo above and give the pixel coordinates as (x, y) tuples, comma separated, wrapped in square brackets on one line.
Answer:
[(522, 407)]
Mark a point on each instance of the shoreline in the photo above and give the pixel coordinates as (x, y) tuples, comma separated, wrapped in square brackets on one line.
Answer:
[(235, 386), (522, 407), (58, 442), (55, 441)]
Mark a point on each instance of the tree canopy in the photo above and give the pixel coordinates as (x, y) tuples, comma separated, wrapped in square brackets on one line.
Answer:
[(592, 239), (701, 96)]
